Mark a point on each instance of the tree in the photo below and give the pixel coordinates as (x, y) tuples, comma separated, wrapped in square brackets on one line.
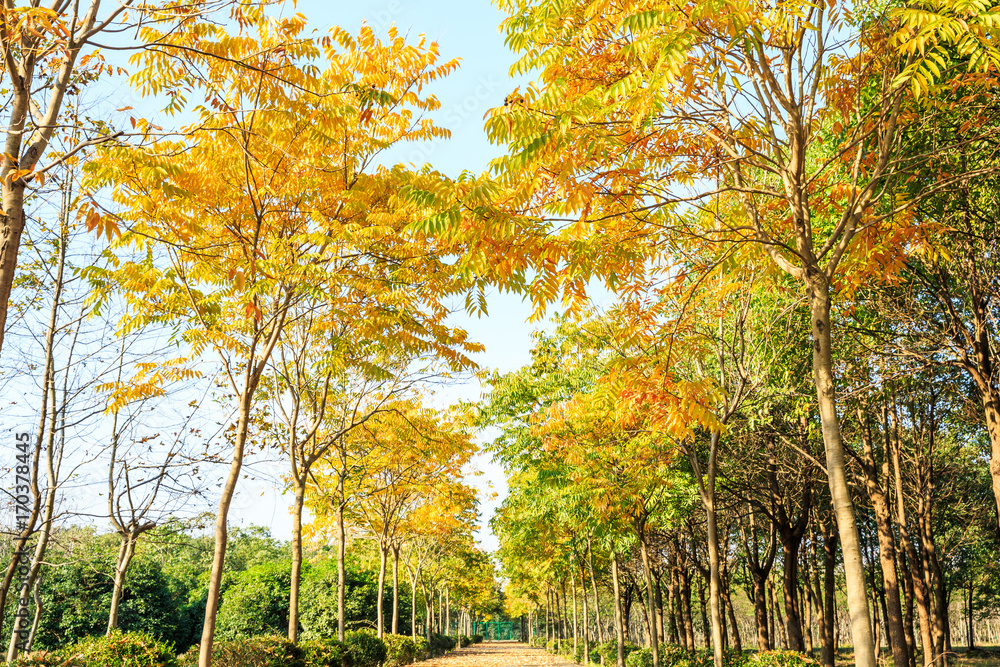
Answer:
[(272, 199), (646, 114)]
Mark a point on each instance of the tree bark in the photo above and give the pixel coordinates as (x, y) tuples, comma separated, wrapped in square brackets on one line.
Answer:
[(379, 603), (125, 553), (619, 620), (395, 589), (293, 593), (597, 599), (857, 596)]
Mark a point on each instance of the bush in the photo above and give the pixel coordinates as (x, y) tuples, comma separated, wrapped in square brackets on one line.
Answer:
[(478, 639), (323, 652), (45, 659), (640, 658), (137, 649), (442, 643), (268, 651), (364, 649), (781, 659), (464, 640), (256, 602), (422, 649), (400, 650)]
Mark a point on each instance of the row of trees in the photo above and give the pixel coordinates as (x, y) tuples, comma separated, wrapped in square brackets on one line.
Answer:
[(794, 206), (256, 292)]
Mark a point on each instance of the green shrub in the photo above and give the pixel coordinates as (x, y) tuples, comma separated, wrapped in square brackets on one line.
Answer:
[(400, 650), (640, 658), (137, 649), (464, 640), (45, 659), (256, 602), (781, 659), (364, 649), (422, 648), (478, 639), (266, 651), (441, 643), (323, 652)]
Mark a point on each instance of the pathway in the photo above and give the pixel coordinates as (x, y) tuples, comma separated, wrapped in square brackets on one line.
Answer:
[(498, 654)]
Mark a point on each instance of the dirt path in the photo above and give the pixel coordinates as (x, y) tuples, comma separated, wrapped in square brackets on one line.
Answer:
[(497, 654)]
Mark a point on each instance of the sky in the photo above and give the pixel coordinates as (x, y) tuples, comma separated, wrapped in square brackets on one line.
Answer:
[(468, 30)]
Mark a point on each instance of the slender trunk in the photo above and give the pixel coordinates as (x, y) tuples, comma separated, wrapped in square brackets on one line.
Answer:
[(293, 591), (576, 626), (597, 599), (715, 582), (26, 524), (659, 607), (341, 560), (395, 589), (908, 595), (830, 541), (886, 544), (379, 603), (39, 608), (447, 611), (619, 617), (672, 605), (648, 574), (857, 596), (586, 621), (125, 553), (760, 611)]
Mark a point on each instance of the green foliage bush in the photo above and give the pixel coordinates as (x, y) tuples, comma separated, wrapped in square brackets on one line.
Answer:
[(323, 652), (265, 651), (781, 659), (422, 648), (641, 658), (256, 602), (464, 640), (364, 649), (400, 650), (45, 659), (608, 652), (136, 649), (478, 639), (441, 643)]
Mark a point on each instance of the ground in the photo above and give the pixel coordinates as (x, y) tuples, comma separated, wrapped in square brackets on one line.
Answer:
[(498, 654)]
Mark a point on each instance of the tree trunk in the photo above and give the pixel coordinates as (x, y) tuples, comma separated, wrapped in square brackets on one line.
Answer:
[(293, 592), (222, 531), (379, 603), (125, 553), (395, 589), (586, 621), (597, 599), (648, 575), (830, 541), (886, 545), (341, 560), (857, 596), (619, 616), (576, 626)]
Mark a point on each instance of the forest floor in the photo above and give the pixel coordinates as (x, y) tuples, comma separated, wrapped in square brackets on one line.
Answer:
[(498, 654), (981, 657)]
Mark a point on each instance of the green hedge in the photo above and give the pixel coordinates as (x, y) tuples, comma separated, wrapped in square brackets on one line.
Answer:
[(264, 651), (323, 652), (400, 650), (136, 649), (364, 649)]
